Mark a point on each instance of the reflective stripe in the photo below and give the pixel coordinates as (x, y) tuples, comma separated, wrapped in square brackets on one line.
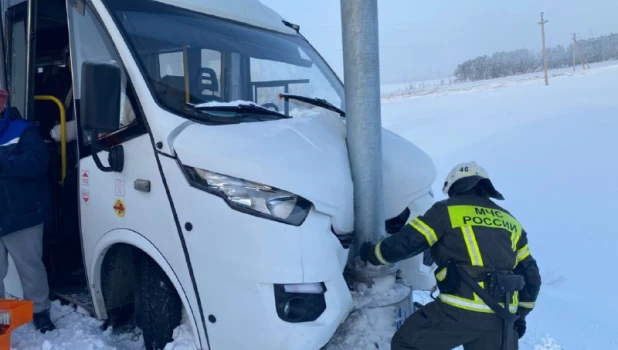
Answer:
[(425, 230), (527, 304), (513, 245), (523, 253), (441, 275), (471, 305), (378, 253), (516, 239), (473, 248)]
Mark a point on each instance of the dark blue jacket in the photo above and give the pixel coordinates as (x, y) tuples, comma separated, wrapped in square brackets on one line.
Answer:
[(23, 166)]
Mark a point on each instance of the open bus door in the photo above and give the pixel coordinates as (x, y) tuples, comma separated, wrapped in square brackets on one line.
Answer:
[(45, 86), (36, 73)]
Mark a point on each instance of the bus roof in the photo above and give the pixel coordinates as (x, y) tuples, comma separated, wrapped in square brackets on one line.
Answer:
[(251, 12)]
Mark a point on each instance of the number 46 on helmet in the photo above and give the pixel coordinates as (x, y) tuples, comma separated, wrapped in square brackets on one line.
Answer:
[(466, 176)]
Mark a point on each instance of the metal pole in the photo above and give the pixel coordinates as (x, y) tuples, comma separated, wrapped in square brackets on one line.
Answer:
[(30, 56), (363, 121)]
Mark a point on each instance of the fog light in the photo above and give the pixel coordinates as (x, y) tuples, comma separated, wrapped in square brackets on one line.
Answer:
[(303, 302), (295, 309)]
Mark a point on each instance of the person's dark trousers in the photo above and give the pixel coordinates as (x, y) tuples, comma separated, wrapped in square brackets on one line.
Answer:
[(438, 326)]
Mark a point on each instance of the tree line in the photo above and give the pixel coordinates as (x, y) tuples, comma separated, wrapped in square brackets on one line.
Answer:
[(522, 61)]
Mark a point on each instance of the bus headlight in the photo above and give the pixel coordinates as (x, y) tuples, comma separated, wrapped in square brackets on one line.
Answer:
[(250, 197)]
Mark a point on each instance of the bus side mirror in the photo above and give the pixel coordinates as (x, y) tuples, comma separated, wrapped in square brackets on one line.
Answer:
[(100, 108), (100, 97)]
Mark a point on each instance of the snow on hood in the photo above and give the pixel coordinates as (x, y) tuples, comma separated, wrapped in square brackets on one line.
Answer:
[(408, 173), (294, 112), (227, 104)]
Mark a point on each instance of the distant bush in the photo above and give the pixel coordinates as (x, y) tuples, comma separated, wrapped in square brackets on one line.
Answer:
[(522, 61)]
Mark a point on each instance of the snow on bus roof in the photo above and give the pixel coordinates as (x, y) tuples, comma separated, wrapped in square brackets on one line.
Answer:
[(251, 12)]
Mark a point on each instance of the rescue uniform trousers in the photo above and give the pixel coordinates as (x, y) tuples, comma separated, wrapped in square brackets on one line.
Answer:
[(438, 326), (26, 249)]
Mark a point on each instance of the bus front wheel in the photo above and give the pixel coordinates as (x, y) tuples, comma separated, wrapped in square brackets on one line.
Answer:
[(158, 308)]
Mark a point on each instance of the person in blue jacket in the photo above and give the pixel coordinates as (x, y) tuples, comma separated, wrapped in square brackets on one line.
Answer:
[(23, 209)]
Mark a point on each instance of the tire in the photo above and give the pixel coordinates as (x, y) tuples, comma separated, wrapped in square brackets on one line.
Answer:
[(158, 309)]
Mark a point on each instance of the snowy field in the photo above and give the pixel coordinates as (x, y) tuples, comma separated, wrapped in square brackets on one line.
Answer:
[(550, 152), (405, 90)]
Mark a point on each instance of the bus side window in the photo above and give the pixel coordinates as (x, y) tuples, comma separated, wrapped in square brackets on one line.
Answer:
[(89, 41)]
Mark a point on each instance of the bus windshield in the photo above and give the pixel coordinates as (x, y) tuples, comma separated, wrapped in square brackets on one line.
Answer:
[(192, 59)]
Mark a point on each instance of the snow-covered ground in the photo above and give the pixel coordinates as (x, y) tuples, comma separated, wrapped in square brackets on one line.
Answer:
[(550, 152), (405, 90)]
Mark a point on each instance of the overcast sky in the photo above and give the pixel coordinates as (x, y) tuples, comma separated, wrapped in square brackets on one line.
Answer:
[(427, 39)]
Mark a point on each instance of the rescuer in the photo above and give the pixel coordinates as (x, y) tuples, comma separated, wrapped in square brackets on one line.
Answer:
[(484, 263)]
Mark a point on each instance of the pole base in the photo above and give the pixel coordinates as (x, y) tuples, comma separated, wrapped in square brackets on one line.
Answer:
[(365, 273), (390, 301), (387, 291)]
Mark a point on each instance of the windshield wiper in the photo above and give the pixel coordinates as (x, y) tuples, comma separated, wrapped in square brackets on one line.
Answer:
[(240, 109), (320, 102)]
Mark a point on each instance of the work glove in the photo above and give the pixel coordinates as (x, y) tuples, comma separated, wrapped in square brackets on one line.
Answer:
[(520, 327), (428, 259), (367, 254)]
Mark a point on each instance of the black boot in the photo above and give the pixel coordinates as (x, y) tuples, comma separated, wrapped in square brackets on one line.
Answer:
[(42, 322)]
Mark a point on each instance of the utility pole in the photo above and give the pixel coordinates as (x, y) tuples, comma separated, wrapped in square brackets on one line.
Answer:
[(579, 53), (359, 21), (574, 41), (542, 23)]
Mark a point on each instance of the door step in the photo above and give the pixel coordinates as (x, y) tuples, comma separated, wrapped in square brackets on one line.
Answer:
[(78, 295)]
